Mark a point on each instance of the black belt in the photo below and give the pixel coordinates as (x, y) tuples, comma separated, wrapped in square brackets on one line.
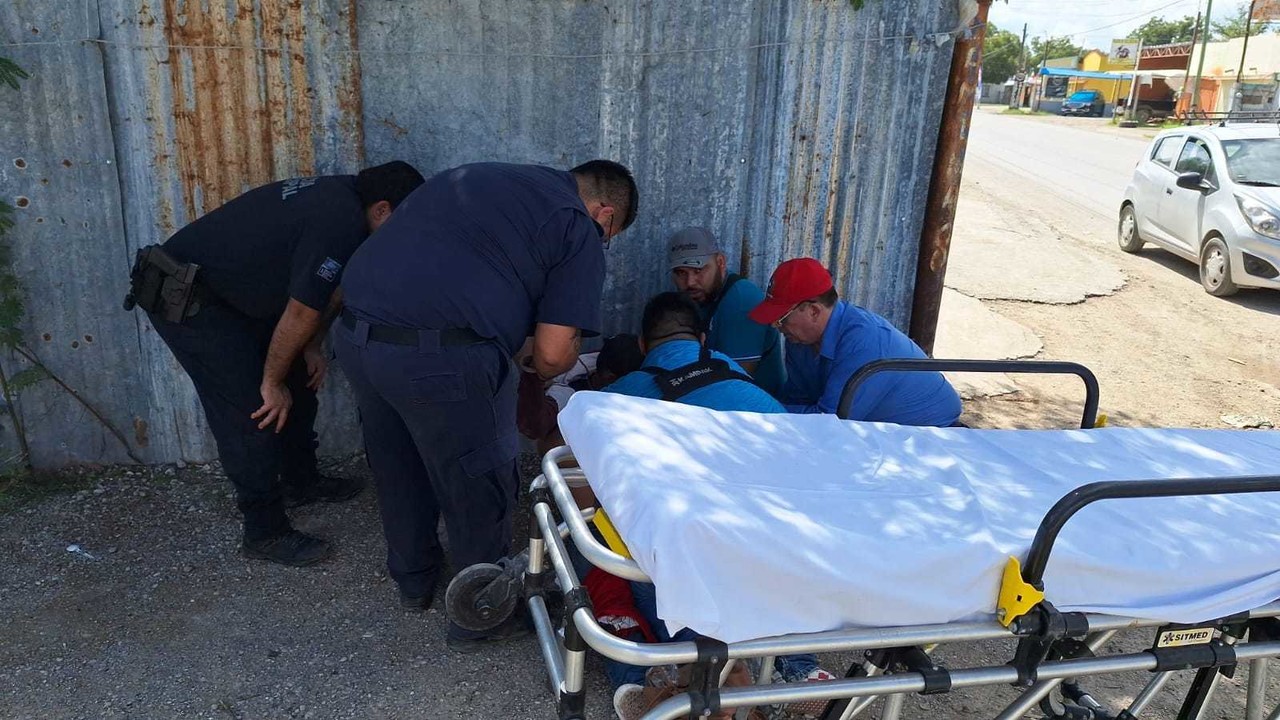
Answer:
[(449, 337)]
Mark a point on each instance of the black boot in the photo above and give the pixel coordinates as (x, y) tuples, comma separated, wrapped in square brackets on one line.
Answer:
[(291, 548)]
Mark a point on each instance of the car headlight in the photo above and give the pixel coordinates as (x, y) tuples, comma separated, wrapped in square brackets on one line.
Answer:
[(1261, 218)]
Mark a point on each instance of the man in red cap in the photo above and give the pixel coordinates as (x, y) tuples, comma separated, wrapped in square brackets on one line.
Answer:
[(828, 340)]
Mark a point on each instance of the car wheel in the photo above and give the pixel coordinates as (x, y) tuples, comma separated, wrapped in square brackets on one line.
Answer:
[(1215, 268), (1142, 115), (1127, 232)]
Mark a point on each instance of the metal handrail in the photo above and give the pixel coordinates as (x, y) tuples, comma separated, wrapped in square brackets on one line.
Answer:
[(1037, 367), (1078, 499)]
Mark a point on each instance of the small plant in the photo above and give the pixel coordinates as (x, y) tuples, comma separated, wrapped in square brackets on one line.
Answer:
[(10, 73)]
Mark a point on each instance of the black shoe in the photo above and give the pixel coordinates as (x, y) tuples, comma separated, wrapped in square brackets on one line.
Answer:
[(516, 626), (291, 548), (325, 488), (419, 604)]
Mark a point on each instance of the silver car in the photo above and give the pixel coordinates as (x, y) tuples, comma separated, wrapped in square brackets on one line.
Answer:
[(1212, 196)]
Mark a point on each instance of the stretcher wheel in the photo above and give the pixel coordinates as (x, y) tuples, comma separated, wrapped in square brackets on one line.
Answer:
[(482, 597)]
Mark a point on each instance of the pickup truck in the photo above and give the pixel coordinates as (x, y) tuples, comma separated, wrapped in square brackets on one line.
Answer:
[(1144, 111)]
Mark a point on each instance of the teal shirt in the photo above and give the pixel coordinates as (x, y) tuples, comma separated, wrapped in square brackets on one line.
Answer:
[(731, 332)]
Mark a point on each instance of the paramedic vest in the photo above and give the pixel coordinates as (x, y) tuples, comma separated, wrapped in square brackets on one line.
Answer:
[(703, 372)]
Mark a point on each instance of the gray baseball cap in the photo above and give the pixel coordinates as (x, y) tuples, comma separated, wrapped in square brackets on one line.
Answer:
[(692, 247)]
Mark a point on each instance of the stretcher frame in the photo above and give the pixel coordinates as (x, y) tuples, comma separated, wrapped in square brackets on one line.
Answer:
[(1053, 648), (893, 668)]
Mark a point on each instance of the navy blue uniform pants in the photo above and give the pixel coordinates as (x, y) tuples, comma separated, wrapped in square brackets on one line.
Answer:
[(440, 430), (223, 352)]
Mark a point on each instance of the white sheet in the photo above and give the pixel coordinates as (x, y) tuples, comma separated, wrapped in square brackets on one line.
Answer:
[(755, 525)]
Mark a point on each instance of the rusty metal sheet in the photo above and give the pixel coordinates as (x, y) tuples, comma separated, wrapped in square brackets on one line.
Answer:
[(788, 127), (210, 99), (57, 165)]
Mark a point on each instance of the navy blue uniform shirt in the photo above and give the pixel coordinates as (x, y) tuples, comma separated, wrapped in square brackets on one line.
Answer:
[(287, 239), (492, 247)]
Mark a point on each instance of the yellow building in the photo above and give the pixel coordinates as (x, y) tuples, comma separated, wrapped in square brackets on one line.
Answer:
[(1092, 61)]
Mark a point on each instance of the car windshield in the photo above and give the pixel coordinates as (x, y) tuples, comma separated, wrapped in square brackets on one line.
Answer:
[(1081, 97), (1254, 162)]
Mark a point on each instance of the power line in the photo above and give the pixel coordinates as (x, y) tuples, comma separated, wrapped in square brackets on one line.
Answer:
[(1139, 16)]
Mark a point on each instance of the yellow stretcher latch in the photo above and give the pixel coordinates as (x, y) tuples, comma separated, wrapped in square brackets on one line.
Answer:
[(610, 533), (1017, 596), (1102, 421)]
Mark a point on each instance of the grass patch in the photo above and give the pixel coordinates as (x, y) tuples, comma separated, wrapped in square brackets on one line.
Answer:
[(20, 488), (1019, 111)]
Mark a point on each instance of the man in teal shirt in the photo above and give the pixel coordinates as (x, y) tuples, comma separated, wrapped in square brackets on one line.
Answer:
[(700, 271)]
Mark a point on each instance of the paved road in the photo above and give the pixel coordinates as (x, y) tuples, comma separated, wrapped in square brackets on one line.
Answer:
[(1035, 238), (1085, 168)]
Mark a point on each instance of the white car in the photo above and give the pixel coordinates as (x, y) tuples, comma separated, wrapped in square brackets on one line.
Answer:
[(1212, 196)]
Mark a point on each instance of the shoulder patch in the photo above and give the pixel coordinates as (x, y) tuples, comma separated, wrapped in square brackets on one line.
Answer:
[(293, 185), (329, 270)]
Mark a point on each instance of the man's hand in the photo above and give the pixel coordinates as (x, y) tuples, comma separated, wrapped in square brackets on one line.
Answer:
[(276, 402), (555, 349), (296, 330), (317, 365)]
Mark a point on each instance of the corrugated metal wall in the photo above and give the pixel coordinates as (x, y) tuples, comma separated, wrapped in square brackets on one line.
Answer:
[(789, 127)]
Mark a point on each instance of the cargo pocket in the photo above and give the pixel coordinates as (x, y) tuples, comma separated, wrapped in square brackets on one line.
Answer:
[(438, 387), (491, 456)]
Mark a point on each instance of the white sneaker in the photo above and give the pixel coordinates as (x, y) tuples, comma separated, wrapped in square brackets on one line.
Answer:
[(808, 708)]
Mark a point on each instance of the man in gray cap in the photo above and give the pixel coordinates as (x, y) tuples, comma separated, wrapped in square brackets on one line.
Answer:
[(700, 271)]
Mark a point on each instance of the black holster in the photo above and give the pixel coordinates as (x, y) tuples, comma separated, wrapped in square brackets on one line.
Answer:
[(161, 285)]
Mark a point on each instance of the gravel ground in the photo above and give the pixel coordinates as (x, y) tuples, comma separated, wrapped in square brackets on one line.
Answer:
[(163, 618)]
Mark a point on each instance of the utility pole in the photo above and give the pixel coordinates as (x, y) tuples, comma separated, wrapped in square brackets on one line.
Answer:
[(1134, 82), (1237, 96), (1022, 51), (1022, 67), (1195, 35), (1204, 46)]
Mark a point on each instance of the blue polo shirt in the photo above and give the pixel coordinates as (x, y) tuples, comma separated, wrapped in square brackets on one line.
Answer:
[(492, 247), (730, 331), (727, 395), (853, 338)]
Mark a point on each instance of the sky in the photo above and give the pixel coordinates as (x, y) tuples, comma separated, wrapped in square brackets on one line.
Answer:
[(1092, 23)]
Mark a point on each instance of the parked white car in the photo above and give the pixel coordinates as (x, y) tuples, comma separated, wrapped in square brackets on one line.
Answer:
[(1212, 196)]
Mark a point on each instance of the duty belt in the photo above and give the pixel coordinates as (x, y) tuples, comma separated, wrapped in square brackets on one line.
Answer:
[(392, 335)]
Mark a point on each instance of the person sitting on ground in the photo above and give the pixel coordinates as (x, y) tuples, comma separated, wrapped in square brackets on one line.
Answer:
[(700, 270), (828, 340), (678, 367), (539, 403)]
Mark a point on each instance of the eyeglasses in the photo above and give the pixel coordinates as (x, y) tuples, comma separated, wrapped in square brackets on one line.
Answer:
[(778, 324)]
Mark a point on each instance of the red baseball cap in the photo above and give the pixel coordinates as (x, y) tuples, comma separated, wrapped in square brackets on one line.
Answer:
[(794, 282)]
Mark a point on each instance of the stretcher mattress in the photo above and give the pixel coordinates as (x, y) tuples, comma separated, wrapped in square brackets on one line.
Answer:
[(756, 525)]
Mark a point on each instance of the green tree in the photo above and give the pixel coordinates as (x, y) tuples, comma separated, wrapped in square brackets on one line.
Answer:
[(1158, 31), (1049, 48), (1001, 58), (1234, 24)]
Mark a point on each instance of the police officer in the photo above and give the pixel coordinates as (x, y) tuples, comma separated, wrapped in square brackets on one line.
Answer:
[(240, 296), (437, 304)]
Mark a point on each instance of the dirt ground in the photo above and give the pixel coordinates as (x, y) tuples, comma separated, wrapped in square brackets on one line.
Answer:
[(158, 616)]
